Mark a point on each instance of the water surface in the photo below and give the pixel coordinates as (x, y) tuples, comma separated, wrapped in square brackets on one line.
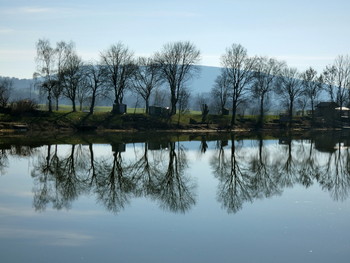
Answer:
[(176, 200)]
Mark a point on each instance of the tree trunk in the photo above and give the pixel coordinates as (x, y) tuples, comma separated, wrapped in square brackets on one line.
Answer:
[(73, 105), (50, 102), (147, 104), (173, 105), (261, 118), (234, 109), (92, 105), (56, 103), (291, 113)]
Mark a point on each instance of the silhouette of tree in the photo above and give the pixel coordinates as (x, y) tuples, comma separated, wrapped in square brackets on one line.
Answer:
[(118, 69), (146, 78), (289, 88), (63, 51), (337, 79), (239, 69), (6, 86), (177, 65), (312, 87), (46, 74), (221, 92), (267, 72), (71, 77)]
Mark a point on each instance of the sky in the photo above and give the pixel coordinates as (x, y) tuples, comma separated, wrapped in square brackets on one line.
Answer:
[(303, 33)]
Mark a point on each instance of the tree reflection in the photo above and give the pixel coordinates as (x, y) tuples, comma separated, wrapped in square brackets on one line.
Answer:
[(265, 180), (246, 170), (144, 172), (175, 190), (336, 174), (3, 161), (234, 182), (114, 186)]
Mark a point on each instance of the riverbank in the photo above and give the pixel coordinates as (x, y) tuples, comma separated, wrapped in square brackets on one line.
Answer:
[(61, 122)]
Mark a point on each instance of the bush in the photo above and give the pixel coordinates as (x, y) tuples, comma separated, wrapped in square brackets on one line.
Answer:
[(24, 105)]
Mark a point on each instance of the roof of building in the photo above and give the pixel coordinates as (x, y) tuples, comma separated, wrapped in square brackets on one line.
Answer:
[(328, 104)]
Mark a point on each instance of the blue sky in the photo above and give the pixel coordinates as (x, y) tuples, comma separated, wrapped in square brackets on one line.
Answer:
[(303, 33)]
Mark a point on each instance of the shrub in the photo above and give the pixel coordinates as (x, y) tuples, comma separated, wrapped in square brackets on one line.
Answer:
[(24, 105)]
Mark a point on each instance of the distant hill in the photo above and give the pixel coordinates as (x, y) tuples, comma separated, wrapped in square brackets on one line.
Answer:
[(203, 83), (24, 88), (206, 79)]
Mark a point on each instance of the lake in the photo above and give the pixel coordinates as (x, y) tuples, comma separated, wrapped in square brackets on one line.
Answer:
[(175, 198)]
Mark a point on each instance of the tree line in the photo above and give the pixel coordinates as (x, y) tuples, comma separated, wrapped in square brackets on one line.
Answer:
[(61, 72)]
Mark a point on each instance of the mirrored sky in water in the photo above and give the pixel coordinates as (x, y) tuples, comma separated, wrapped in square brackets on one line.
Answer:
[(187, 206)]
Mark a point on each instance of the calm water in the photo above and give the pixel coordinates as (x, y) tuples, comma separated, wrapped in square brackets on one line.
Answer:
[(246, 200)]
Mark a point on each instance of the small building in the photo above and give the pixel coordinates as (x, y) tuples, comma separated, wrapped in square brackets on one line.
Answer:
[(327, 110), (119, 108), (158, 111)]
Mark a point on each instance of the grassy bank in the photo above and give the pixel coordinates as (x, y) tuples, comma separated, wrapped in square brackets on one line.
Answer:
[(135, 119)]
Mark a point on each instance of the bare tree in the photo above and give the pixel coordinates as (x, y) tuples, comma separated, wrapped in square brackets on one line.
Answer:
[(312, 87), (337, 79), (183, 103), (177, 63), (240, 72), (266, 74), (83, 90), (221, 91), (46, 69), (6, 85), (289, 88), (94, 80), (71, 77), (63, 51), (146, 78), (119, 68)]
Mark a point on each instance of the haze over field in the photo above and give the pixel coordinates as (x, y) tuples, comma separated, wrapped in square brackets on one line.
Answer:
[(303, 33)]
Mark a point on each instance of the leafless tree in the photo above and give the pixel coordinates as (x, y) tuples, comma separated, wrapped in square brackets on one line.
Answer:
[(183, 103), (240, 72), (6, 85), (46, 69), (83, 90), (289, 88), (71, 77), (312, 87), (337, 79), (221, 91), (94, 81), (63, 51), (266, 74), (177, 63), (119, 68), (146, 79)]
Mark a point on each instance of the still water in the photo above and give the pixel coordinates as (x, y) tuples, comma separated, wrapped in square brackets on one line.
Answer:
[(176, 200)]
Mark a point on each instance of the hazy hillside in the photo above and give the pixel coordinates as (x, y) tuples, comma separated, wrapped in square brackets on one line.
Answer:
[(24, 88), (206, 79)]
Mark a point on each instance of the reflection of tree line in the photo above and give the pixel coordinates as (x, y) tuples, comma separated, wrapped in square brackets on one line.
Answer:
[(246, 175), (158, 172), (60, 180)]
